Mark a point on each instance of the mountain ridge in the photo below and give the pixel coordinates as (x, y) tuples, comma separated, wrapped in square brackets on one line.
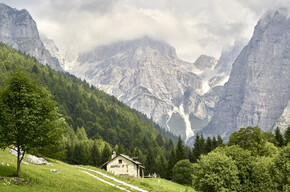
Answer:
[(19, 30), (258, 90)]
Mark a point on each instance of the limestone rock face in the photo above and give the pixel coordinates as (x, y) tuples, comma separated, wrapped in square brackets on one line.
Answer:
[(258, 90), (147, 75), (19, 31)]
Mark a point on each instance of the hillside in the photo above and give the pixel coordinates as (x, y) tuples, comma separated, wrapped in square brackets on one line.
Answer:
[(103, 117), (71, 178)]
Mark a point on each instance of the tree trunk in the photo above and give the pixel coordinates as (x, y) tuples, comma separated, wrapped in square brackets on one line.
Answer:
[(20, 157), (18, 161)]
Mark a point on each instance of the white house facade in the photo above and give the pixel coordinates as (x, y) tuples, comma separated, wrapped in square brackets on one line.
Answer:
[(123, 165)]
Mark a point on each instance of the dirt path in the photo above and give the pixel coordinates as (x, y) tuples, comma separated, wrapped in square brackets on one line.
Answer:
[(112, 178), (106, 181)]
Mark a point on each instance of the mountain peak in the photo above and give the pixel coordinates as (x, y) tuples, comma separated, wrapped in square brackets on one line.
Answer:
[(19, 30), (204, 62), (258, 90), (135, 47)]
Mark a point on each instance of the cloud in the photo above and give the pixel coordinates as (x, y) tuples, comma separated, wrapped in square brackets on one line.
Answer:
[(192, 27)]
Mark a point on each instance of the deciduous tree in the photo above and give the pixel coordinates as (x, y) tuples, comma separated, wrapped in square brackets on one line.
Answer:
[(29, 119)]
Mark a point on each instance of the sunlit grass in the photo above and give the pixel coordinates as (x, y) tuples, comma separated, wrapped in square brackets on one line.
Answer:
[(70, 178)]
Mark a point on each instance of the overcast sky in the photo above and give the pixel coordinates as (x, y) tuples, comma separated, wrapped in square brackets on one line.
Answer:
[(193, 27)]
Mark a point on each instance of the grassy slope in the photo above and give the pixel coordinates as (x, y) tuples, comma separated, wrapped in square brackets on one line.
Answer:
[(70, 178)]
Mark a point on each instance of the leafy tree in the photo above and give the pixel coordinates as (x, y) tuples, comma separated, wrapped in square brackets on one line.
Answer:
[(281, 169), (279, 137), (180, 150), (182, 172), (244, 162), (215, 172), (261, 178), (29, 119), (270, 137), (250, 138)]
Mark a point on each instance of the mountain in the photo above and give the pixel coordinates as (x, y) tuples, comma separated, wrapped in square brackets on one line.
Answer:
[(147, 75), (19, 31), (221, 72), (89, 112), (258, 90)]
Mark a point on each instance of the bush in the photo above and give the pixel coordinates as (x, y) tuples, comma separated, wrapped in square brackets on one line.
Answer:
[(215, 172), (182, 172)]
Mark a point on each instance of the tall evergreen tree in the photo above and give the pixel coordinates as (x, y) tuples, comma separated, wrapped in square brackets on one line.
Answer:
[(220, 140), (96, 155), (106, 153), (198, 148), (170, 164), (214, 142), (161, 166), (180, 150), (150, 163), (287, 135), (208, 145), (202, 144), (279, 137)]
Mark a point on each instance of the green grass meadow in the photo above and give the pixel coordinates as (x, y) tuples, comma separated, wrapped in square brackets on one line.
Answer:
[(71, 178)]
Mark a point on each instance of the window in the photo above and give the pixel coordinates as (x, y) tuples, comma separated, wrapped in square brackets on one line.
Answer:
[(120, 161)]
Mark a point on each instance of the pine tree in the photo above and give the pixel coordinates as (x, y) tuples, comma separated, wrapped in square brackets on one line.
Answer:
[(198, 148), (202, 144), (96, 155), (214, 142), (219, 140), (77, 155), (106, 153), (180, 151), (150, 163), (161, 166), (279, 137), (208, 145), (121, 149), (287, 135), (170, 164)]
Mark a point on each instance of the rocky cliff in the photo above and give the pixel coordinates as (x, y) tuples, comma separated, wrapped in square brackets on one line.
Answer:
[(258, 90), (19, 30), (147, 75)]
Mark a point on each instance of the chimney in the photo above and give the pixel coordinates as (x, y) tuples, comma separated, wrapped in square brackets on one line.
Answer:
[(114, 154)]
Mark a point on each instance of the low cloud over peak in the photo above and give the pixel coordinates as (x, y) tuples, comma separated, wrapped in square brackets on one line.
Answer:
[(192, 27)]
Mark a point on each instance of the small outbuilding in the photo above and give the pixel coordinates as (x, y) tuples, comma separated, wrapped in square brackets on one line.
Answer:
[(123, 165)]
